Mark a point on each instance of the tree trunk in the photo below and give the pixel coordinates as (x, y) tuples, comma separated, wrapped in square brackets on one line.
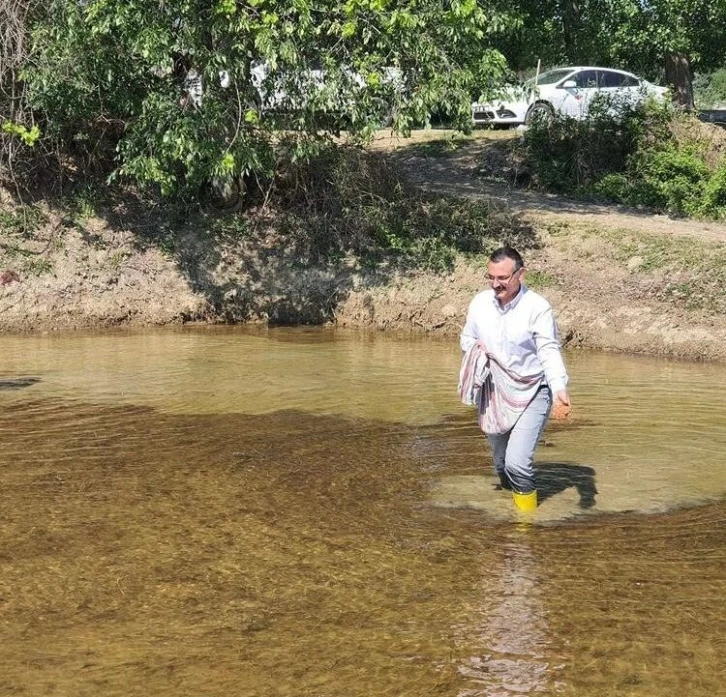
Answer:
[(572, 30), (680, 78)]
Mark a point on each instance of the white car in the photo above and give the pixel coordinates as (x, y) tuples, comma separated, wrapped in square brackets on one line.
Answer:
[(567, 91)]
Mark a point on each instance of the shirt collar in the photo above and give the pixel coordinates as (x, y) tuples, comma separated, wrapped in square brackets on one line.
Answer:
[(513, 302)]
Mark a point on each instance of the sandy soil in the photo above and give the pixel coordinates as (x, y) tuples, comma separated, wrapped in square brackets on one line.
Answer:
[(100, 274)]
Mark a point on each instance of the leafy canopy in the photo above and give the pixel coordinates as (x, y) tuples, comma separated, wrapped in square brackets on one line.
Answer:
[(636, 35), (193, 90)]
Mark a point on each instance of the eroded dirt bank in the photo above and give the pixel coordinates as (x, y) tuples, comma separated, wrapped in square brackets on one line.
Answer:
[(591, 312), (618, 280)]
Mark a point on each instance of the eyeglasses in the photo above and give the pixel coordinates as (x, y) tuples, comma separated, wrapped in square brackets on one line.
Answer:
[(503, 279)]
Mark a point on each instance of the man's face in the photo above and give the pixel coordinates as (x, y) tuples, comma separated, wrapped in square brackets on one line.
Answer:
[(504, 280)]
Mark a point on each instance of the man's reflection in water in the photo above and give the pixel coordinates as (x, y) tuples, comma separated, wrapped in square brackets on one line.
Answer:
[(511, 631)]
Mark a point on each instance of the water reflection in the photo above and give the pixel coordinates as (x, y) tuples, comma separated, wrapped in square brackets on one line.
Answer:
[(511, 629)]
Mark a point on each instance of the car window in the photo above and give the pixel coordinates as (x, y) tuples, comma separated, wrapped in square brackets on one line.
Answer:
[(550, 77), (610, 79), (586, 79)]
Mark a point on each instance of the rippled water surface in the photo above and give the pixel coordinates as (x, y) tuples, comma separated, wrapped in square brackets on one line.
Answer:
[(308, 512)]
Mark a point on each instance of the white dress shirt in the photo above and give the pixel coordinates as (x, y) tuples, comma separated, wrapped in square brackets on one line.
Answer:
[(521, 336)]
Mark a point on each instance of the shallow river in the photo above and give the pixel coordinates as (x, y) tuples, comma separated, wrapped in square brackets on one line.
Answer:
[(230, 512)]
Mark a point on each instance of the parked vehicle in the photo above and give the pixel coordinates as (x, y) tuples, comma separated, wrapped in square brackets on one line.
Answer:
[(567, 91)]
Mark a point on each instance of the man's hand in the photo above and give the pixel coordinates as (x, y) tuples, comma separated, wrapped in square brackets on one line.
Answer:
[(561, 405), (562, 397)]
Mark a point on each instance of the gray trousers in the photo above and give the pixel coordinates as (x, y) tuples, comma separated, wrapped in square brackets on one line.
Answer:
[(513, 451)]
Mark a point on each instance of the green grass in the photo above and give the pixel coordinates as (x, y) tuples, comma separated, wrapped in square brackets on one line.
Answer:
[(538, 280), (23, 222)]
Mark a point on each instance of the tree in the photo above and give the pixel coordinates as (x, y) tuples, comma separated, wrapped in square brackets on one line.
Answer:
[(655, 38), (17, 129), (675, 36), (192, 90)]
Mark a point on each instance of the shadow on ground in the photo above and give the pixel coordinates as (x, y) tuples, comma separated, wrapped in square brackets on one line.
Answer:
[(17, 383), (294, 258), (555, 477)]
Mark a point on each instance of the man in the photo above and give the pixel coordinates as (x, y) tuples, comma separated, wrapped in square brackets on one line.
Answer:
[(513, 358)]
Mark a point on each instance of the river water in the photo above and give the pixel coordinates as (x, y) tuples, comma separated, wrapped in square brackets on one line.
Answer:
[(310, 512)]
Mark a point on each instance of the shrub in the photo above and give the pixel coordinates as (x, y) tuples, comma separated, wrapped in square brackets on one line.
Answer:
[(713, 202), (670, 179), (647, 155), (572, 155), (346, 201), (616, 187)]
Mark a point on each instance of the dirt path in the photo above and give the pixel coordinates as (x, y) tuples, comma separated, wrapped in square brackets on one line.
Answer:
[(455, 174), (537, 206)]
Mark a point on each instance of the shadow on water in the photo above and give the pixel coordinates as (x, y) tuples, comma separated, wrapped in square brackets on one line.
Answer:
[(17, 383), (555, 477)]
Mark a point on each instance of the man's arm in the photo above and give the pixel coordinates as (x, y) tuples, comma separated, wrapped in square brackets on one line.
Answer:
[(469, 334), (549, 353)]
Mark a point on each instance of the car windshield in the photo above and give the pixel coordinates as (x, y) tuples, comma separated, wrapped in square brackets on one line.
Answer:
[(550, 77)]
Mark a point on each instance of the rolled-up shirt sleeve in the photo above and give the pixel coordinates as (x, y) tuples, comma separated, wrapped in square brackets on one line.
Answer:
[(544, 330)]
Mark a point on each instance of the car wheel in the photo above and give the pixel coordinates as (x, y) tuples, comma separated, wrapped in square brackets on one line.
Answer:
[(539, 111)]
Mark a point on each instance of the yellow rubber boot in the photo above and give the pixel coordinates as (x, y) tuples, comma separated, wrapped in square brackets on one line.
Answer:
[(525, 502)]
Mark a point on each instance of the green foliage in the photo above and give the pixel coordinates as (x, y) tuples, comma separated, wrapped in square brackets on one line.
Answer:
[(710, 89), (614, 186), (672, 177), (571, 155), (713, 201), (28, 136), (633, 35), (671, 173), (647, 156), (180, 94), (668, 178)]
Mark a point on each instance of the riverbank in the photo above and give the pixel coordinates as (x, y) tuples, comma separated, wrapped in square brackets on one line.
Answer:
[(619, 280)]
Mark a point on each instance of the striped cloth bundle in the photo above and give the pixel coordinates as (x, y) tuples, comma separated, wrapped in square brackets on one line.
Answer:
[(499, 394)]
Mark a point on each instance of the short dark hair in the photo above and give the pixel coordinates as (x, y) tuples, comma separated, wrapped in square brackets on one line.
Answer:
[(507, 253)]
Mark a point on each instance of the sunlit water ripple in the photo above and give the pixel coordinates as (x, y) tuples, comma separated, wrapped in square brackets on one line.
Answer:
[(222, 511)]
